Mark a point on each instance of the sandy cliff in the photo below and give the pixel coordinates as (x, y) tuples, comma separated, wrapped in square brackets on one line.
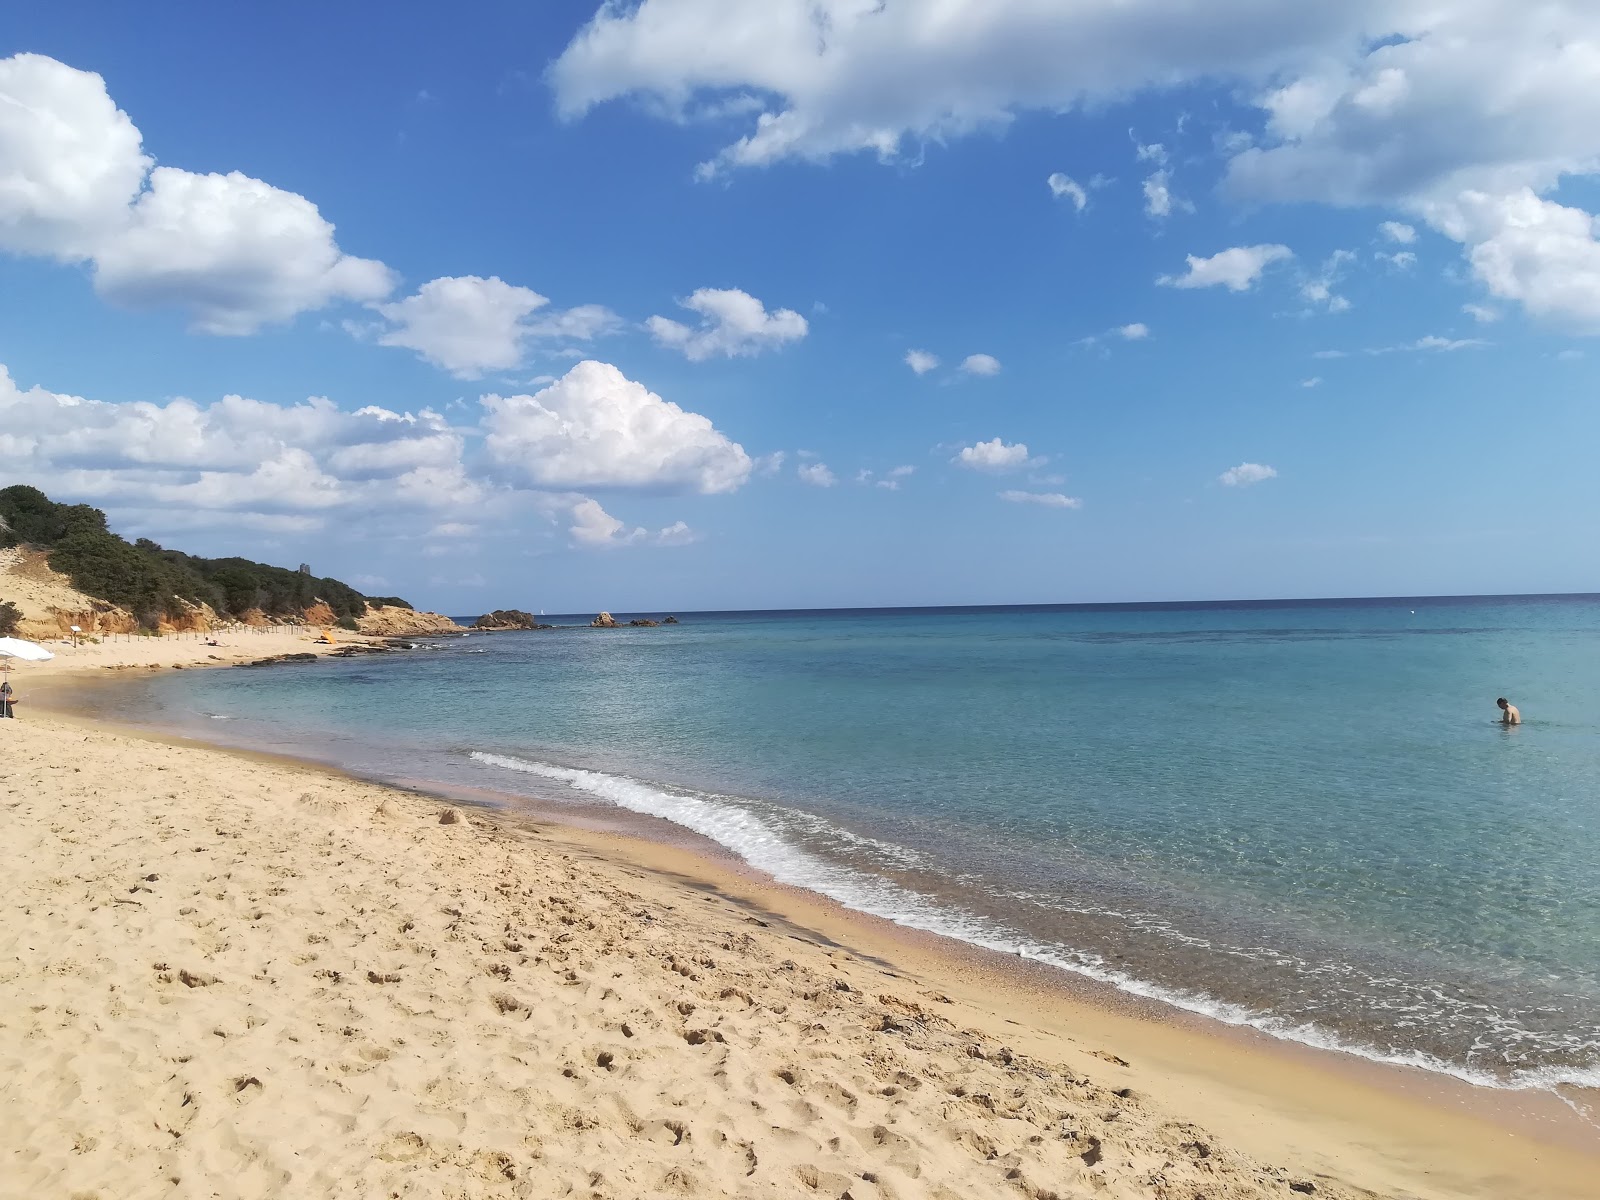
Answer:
[(50, 605)]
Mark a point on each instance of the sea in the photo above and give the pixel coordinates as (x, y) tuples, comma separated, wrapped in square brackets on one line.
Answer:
[(1297, 816)]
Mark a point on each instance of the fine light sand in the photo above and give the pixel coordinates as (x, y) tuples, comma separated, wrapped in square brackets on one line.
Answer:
[(226, 976), (133, 652)]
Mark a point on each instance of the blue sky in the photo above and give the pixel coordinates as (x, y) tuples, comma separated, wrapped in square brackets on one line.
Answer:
[(614, 308)]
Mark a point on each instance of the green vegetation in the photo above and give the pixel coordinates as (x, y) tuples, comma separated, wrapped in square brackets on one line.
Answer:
[(151, 581), (10, 618)]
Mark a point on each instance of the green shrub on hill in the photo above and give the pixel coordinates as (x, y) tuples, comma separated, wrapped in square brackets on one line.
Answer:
[(151, 581), (10, 618)]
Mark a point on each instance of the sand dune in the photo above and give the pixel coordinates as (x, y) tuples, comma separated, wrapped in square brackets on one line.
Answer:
[(223, 976)]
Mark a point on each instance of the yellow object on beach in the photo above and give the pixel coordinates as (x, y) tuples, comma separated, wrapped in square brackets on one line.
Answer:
[(326, 637)]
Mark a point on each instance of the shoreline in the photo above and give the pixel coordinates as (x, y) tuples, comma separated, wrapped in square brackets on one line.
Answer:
[(1376, 1126), (552, 802)]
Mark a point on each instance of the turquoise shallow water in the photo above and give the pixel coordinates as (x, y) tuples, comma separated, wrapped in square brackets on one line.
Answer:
[(1301, 817)]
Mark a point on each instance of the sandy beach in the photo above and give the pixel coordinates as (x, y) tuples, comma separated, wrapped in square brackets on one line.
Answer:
[(224, 975), (134, 653)]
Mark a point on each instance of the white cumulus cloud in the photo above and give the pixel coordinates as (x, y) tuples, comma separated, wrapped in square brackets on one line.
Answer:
[(1398, 232), (732, 324), (71, 161), (595, 427), (995, 455), (817, 474), (1525, 248), (921, 361), (468, 325), (1246, 474), (234, 252), (1136, 332), (981, 364), (1236, 269)]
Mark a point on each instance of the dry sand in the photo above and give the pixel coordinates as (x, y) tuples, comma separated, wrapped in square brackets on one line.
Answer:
[(134, 652), (225, 976)]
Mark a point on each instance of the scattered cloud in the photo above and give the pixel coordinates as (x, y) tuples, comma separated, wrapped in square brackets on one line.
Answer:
[(890, 481), (1063, 186), (1314, 382), (1318, 290), (1246, 474), (1159, 201), (733, 324), (817, 474), (1236, 269), (1136, 331), (1569, 356), (921, 361), (593, 527), (995, 455), (1481, 313), (1400, 260), (1460, 116), (1043, 499), (770, 464), (1398, 232), (1432, 343), (594, 427), (981, 364), (236, 460)]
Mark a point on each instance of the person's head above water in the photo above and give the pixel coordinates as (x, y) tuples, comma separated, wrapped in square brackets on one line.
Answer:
[(1501, 702)]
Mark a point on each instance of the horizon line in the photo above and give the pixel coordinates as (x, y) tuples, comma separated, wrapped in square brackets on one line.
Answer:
[(1108, 604)]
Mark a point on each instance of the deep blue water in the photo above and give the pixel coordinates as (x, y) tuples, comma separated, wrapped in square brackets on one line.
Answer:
[(1301, 816)]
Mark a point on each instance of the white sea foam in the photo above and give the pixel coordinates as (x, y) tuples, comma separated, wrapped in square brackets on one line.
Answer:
[(760, 842)]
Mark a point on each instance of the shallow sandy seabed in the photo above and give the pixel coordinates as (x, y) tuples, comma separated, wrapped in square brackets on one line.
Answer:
[(226, 976)]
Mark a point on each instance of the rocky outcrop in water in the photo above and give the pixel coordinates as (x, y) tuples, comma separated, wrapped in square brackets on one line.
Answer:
[(393, 620), (604, 621), (508, 618), (644, 622), (670, 621)]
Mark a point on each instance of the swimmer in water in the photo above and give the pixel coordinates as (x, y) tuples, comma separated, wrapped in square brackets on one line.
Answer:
[(1508, 712)]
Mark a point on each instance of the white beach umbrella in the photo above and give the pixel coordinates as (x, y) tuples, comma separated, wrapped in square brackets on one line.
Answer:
[(25, 651)]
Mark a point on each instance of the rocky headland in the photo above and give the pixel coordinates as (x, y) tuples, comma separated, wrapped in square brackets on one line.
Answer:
[(508, 618)]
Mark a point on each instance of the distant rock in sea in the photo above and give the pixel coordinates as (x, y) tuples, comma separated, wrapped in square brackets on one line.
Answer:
[(670, 621), (509, 618), (604, 621), (643, 622)]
